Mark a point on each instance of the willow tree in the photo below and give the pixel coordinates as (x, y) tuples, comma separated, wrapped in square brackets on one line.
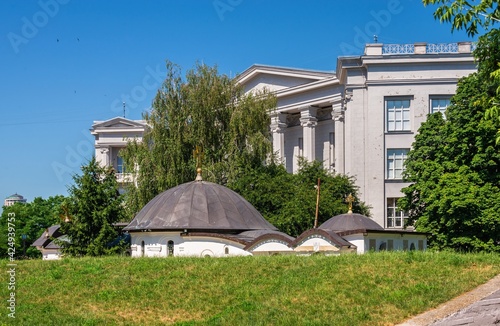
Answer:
[(205, 109)]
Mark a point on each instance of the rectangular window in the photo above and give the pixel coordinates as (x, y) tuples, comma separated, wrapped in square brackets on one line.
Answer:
[(395, 162), (120, 167), (405, 245), (420, 244), (390, 245), (396, 217), (372, 244), (440, 104), (301, 146), (398, 114)]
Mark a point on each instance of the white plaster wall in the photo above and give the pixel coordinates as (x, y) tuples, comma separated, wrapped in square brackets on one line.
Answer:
[(292, 136), (366, 139), (362, 242), (316, 244), (274, 82), (270, 246), (323, 130), (156, 245), (50, 254)]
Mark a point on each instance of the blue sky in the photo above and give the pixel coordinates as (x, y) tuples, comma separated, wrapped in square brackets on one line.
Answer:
[(66, 63)]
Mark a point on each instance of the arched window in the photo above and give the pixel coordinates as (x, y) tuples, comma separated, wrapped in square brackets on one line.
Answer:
[(226, 250), (170, 248), (412, 246), (143, 247)]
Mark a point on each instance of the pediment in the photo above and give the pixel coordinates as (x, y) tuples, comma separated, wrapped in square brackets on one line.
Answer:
[(275, 79), (118, 123)]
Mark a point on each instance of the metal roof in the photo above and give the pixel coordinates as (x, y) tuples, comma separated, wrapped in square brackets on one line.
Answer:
[(201, 206), (350, 221)]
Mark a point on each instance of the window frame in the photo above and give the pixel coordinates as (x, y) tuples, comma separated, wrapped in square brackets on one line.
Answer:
[(394, 213), (401, 110), (433, 98), (392, 153)]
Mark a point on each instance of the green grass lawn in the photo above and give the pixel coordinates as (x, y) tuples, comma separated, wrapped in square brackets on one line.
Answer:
[(371, 289)]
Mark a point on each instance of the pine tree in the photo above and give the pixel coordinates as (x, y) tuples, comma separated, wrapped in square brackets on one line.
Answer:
[(93, 206)]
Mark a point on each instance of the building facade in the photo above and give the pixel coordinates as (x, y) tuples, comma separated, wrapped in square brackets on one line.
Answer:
[(12, 199), (361, 121), (110, 137)]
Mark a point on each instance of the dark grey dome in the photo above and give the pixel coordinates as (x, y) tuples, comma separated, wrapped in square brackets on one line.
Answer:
[(350, 222), (199, 205)]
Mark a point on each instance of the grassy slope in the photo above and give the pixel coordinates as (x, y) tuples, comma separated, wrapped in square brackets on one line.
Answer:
[(373, 289)]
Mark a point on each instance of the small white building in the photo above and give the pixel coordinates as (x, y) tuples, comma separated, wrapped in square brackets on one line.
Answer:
[(358, 233), (203, 219), (12, 199), (45, 243)]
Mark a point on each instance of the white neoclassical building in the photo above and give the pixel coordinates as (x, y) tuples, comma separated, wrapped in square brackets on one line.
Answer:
[(362, 119), (110, 137)]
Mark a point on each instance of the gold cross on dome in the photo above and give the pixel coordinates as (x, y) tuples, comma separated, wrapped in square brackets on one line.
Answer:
[(198, 155), (350, 200)]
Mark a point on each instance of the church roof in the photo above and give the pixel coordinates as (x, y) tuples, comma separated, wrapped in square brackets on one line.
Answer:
[(200, 206), (350, 222), (46, 238)]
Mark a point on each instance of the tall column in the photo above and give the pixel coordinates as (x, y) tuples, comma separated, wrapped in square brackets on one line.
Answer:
[(338, 118), (278, 126), (308, 121)]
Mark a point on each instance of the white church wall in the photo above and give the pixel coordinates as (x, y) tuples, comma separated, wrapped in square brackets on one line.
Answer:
[(50, 254), (156, 245), (316, 244), (270, 246), (211, 247), (382, 241)]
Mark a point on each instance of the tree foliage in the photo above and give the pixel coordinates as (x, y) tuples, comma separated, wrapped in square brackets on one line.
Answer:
[(288, 200), (203, 109), (454, 165), (31, 219), (93, 206), (463, 14)]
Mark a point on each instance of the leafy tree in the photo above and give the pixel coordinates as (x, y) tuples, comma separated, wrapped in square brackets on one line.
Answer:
[(203, 109), (463, 14), (288, 200), (454, 166), (31, 219), (93, 206)]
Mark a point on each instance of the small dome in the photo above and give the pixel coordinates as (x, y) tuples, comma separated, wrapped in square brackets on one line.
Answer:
[(199, 205), (15, 197), (350, 222)]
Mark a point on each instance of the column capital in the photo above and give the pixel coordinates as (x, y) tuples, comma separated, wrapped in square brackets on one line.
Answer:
[(338, 114), (278, 121), (308, 116)]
